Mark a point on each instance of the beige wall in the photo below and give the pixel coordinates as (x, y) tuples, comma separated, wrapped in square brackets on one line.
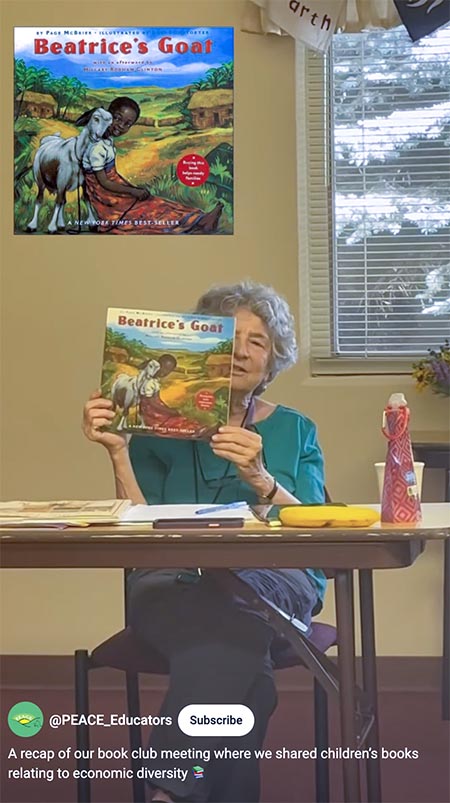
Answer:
[(55, 293)]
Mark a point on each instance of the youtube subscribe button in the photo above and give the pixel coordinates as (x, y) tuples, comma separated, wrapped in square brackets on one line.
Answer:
[(216, 720)]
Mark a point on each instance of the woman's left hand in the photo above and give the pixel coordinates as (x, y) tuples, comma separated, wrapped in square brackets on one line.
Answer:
[(245, 450)]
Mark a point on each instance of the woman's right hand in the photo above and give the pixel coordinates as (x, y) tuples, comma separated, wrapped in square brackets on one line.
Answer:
[(98, 413)]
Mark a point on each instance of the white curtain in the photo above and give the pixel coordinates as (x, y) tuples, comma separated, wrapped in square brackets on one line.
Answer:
[(357, 15)]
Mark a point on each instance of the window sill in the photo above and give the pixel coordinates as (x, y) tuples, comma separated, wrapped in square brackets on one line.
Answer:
[(360, 366)]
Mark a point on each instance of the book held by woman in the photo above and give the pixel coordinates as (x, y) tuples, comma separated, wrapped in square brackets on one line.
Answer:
[(168, 373)]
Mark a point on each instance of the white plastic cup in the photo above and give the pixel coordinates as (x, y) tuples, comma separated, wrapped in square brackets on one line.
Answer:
[(418, 470)]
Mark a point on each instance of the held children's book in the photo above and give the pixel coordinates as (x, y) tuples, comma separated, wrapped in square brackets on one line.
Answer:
[(168, 373)]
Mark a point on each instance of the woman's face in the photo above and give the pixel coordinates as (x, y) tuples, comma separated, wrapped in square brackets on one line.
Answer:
[(123, 118), (252, 352)]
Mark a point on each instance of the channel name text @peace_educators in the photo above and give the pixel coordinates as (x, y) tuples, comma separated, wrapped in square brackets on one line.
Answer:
[(106, 720)]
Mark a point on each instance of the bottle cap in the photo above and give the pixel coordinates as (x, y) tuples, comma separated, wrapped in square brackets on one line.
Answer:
[(397, 400)]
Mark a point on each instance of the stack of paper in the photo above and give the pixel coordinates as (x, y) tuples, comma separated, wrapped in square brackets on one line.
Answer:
[(149, 513), (103, 511)]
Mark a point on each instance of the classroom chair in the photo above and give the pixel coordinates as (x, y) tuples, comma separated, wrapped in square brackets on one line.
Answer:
[(123, 651)]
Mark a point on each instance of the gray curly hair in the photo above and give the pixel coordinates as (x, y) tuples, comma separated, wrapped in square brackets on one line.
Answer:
[(268, 305)]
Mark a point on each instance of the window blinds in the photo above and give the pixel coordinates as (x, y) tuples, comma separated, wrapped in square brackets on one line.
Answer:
[(377, 114)]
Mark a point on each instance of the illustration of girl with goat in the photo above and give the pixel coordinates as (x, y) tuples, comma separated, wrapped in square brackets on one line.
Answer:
[(123, 208), (152, 414)]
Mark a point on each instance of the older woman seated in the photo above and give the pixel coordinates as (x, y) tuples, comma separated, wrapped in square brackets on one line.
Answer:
[(217, 647)]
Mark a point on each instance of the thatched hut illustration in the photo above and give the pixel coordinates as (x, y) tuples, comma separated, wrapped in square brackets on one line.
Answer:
[(116, 354), (218, 365), (212, 108), (36, 104)]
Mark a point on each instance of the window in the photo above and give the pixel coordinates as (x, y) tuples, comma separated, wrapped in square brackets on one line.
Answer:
[(374, 190)]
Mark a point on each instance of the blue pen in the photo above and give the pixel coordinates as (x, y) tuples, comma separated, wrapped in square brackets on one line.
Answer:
[(218, 508)]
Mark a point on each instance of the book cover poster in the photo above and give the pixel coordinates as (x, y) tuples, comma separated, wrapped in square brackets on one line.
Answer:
[(123, 131), (167, 373)]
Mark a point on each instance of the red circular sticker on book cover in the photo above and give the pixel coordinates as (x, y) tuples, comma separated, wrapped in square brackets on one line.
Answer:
[(205, 400), (192, 170)]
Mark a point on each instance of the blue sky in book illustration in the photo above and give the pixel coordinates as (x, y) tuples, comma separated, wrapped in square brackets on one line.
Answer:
[(152, 58), (132, 126)]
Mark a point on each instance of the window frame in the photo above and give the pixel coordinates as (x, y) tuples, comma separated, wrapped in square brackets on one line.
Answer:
[(317, 251)]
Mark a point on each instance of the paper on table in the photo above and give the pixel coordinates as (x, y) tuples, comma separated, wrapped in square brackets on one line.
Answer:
[(148, 513), (64, 511), (40, 525)]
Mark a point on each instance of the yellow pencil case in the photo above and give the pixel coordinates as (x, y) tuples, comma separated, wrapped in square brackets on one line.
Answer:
[(327, 516)]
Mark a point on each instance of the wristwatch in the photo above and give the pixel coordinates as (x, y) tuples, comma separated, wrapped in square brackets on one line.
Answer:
[(269, 496)]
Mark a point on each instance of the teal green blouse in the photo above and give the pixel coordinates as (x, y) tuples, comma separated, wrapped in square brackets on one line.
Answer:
[(171, 471)]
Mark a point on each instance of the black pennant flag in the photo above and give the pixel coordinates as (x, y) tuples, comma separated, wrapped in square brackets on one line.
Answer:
[(421, 17)]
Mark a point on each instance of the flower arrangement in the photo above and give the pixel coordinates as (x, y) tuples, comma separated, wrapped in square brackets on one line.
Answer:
[(434, 371)]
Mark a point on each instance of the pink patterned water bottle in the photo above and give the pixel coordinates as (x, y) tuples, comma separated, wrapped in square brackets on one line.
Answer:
[(400, 500)]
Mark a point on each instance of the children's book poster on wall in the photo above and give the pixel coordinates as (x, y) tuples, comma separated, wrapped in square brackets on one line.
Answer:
[(123, 131)]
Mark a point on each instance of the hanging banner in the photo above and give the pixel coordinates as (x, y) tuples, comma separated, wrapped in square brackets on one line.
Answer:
[(313, 23), (421, 17), (123, 131)]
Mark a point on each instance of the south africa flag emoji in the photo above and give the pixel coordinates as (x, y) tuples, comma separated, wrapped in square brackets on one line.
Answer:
[(199, 772)]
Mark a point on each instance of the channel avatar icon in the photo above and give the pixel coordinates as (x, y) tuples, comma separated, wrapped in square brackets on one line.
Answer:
[(25, 719)]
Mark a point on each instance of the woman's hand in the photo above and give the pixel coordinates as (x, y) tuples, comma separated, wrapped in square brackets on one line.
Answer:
[(98, 413), (244, 449)]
